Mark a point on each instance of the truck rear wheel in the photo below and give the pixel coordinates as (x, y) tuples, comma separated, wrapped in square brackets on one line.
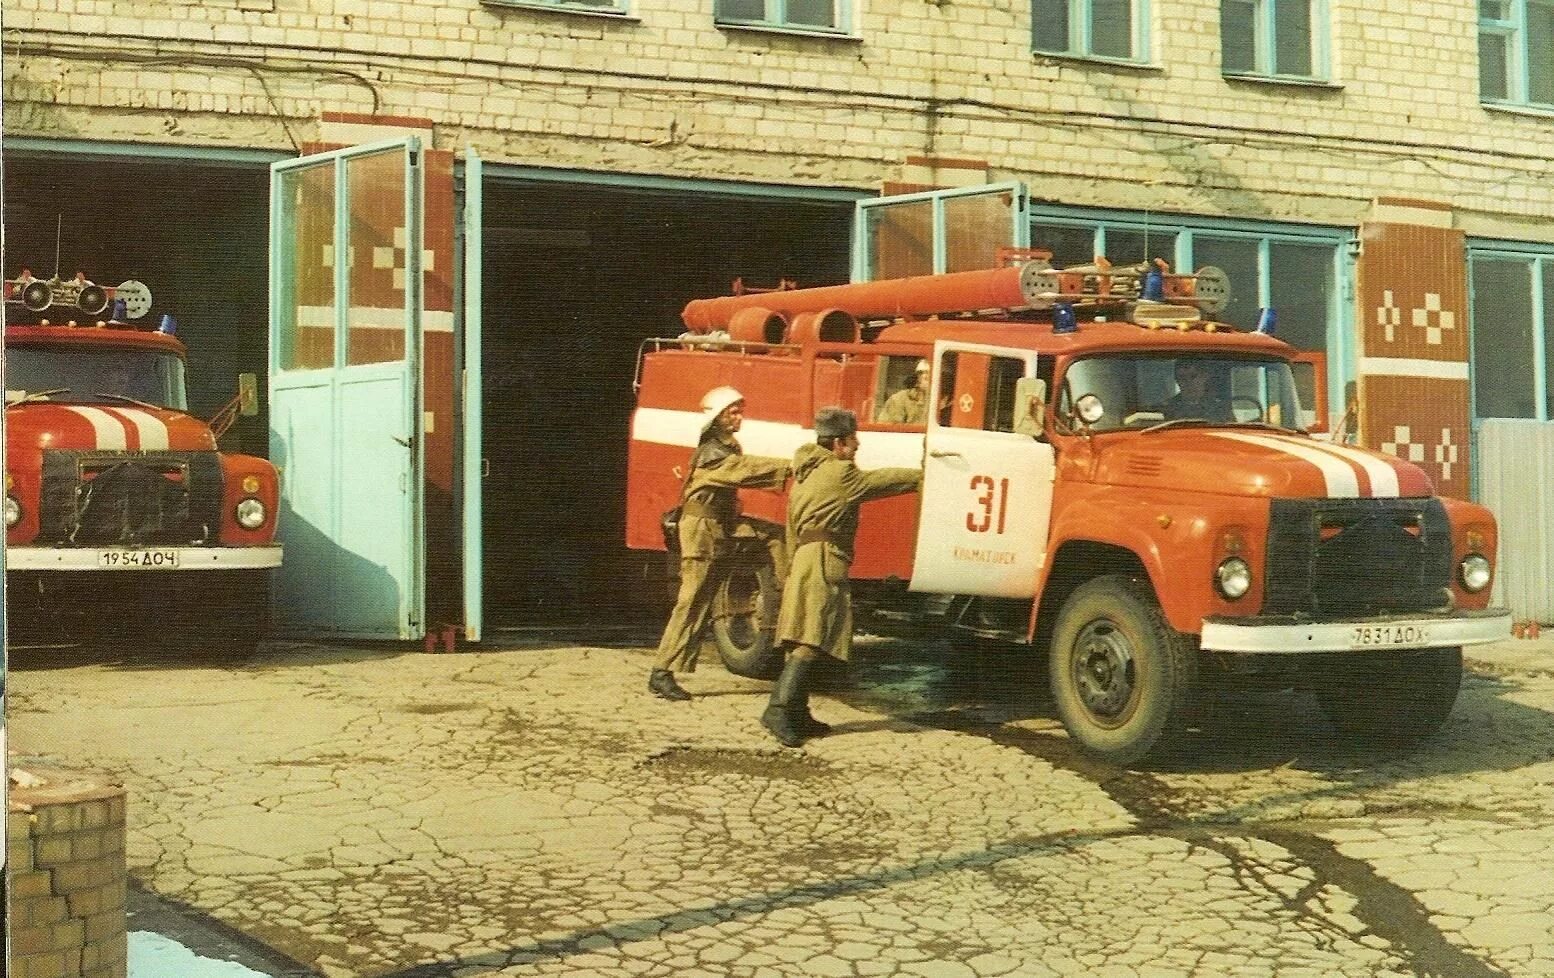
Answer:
[(1390, 699), (1122, 677), (744, 619)]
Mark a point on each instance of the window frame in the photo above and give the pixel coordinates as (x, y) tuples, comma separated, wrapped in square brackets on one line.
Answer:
[(1081, 34), (1341, 351), (1513, 29), (776, 19), (1540, 261), (1265, 36)]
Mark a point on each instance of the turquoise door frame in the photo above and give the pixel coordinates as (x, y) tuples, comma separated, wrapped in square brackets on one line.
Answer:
[(472, 471), (345, 390), (940, 202)]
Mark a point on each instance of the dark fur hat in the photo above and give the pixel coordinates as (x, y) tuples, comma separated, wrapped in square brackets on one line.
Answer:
[(835, 422)]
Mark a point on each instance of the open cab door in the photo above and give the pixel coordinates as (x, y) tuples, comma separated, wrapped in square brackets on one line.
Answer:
[(987, 476)]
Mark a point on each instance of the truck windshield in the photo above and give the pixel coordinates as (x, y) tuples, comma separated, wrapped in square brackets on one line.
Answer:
[(1142, 391), (86, 375)]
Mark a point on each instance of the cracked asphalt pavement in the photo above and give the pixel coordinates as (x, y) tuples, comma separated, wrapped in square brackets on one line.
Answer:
[(533, 811)]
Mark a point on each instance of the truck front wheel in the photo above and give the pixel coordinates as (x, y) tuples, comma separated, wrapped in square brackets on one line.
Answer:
[(1390, 699), (744, 619), (1122, 678)]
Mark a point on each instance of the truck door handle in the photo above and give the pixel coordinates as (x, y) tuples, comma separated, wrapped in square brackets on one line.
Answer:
[(945, 454), (403, 441)]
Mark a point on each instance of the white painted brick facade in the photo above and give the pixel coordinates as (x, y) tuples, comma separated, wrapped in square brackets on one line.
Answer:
[(663, 91)]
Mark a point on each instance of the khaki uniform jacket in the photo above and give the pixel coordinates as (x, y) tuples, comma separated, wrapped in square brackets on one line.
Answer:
[(710, 502), (909, 406), (824, 500)]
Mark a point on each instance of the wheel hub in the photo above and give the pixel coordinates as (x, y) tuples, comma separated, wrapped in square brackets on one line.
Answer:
[(1104, 670)]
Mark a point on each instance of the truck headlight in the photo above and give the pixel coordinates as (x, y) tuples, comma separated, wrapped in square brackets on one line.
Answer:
[(1474, 571), (13, 512), (1233, 577), (250, 514)]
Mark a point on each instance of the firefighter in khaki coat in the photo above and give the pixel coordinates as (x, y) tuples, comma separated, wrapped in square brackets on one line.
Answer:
[(709, 518), (817, 615)]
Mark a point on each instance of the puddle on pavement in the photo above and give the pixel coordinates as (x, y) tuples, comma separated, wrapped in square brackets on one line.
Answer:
[(786, 766)]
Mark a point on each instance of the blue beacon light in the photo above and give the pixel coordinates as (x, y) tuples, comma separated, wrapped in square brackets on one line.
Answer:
[(169, 325), (1154, 286), (1063, 319), (1267, 320)]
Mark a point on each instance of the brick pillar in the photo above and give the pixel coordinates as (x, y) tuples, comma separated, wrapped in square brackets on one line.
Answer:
[(1413, 332), (65, 876)]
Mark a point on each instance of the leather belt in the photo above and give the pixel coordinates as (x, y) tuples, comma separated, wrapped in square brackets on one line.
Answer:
[(695, 507), (819, 536)]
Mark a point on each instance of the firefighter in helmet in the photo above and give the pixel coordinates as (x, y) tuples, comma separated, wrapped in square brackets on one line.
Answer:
[(816, 616), (709, 519), (910, 404)]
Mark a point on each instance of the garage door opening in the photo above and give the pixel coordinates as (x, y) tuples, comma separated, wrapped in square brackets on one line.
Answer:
[(575, 279), (193, 232)]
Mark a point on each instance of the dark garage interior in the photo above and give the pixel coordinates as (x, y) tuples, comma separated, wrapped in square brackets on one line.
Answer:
[(194, 233), (575, 278)]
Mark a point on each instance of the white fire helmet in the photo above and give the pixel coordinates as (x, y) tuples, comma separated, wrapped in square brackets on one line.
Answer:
[(922, 366), (715, 402)]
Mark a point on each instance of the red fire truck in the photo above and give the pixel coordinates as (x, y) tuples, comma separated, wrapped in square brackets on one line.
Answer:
[(120, 510), (1109, 475)]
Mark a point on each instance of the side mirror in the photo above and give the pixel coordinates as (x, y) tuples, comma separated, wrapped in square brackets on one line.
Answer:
[(248, 395), (1030, 406)]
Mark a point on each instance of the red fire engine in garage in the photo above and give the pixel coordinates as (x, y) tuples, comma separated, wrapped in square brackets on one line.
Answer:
[(120, 510), (1109, 475)]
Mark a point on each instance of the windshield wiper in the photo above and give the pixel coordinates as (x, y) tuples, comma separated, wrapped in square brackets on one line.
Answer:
[(124, 397), (36, 396), (1260, 424), (1173, 423)]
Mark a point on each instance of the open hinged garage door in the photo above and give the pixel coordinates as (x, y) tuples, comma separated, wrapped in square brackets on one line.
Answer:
[(345, 382)]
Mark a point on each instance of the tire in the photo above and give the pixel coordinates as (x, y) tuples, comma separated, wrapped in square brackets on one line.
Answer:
[(1122, 678), (744, 618), (1390, 699)]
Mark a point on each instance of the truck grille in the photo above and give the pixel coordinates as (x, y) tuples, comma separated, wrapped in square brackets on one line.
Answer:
[(95, 499), (1339, 557)]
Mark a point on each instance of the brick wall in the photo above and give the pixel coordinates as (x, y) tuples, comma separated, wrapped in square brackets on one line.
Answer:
[(664, 91), (65, 876)]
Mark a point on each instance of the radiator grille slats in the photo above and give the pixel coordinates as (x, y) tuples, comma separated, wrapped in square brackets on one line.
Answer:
[(97, 499), (1343, 557)]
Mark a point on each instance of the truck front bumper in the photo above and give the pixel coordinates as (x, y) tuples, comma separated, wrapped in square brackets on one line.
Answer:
[(1283, 634), (150, 559)]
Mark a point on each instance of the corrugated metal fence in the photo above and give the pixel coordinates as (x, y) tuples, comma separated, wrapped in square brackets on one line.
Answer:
[(1516, 481)]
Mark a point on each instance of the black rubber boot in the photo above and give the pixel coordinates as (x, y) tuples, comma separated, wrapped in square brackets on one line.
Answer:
[(805, 720), (661, 684), (782, 712)]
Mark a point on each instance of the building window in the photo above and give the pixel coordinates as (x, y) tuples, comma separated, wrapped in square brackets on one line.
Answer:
[(1512, 311), (804, 15), (1276, 38), (1516, 51), (1111, 29), (1294, 273)]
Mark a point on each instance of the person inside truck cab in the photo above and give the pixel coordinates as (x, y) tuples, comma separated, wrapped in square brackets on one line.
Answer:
[(115, 380), (910, 404), (1200, 393)]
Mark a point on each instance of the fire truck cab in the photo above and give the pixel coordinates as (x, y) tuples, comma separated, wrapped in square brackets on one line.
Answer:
[(1109, 475), (120, 510)]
